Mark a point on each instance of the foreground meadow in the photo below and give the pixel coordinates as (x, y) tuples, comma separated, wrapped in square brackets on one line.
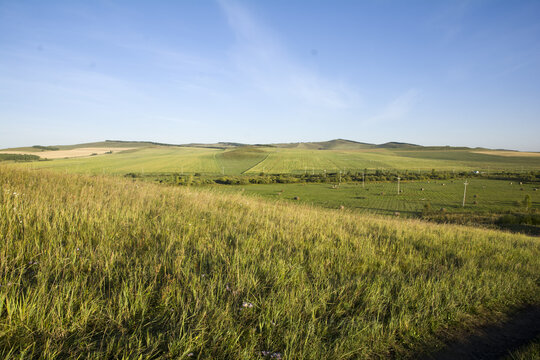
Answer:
[(104, 267)]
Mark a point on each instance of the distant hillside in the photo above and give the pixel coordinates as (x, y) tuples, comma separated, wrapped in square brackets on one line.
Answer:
[(99, 144), (398, 145), (219, 145), (337, 144), (343, 144), (113, 143)]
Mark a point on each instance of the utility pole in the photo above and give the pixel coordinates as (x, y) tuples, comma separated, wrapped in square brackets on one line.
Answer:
[(398, 185), (340, 177), (464, 192), (325, 173)]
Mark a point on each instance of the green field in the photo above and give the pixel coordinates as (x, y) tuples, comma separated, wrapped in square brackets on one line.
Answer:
[(483, 196), (249, 160), (105, 267)]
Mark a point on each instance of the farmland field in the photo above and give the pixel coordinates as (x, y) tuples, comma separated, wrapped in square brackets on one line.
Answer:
[(483, 196), (251, 160), (70, 153), (128, 269)]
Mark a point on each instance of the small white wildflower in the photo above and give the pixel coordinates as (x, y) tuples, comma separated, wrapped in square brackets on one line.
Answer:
[(273, 355), (190, 354), (247, 304)]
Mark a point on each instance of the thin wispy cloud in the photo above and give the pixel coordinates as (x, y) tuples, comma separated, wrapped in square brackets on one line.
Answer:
[(264, 62), (398, 108)]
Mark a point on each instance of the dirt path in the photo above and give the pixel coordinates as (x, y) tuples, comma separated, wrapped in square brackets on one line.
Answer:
[(495, 341)]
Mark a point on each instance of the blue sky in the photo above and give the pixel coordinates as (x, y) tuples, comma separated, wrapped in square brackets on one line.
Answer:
[(427, 72)]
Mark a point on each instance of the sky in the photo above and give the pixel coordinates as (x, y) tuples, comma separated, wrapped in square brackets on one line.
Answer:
[(459, 73)]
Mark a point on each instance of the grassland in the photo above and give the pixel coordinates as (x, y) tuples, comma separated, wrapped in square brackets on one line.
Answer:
[(484, 195), (102, 267), (251, 160)]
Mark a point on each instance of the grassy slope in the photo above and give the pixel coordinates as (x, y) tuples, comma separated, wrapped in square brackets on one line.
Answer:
[(160, 159), (124, 268), (295, 160), (148, 159), (472, 159), (105, 144), (240, 160)]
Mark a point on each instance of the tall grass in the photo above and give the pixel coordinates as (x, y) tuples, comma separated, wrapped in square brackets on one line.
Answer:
[(109, 268)]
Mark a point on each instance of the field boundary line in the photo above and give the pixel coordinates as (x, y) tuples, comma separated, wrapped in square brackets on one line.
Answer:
[(259, 162)]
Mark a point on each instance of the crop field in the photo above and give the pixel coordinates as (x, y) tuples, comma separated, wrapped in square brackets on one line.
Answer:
[(483, 195), (106, 267), (151, 159), (299, 161), (157, 160), (70, 153), (251, 160)]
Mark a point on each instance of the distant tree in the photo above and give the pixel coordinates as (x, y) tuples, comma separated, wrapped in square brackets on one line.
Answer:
[(527, 202), (427, 208)]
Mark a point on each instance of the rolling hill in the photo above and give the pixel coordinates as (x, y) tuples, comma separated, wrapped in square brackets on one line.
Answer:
[(120, 157)]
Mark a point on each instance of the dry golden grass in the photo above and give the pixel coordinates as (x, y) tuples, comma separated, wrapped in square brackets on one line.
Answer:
[(509, 153)]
